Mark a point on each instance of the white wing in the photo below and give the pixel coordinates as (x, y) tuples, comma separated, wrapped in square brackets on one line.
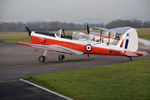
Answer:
[(53, 48)]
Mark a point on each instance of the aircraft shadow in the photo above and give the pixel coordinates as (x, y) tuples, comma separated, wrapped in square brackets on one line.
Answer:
[(71, 61)]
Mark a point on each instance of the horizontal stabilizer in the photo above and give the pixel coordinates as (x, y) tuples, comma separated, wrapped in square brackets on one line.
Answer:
[(134, 54)]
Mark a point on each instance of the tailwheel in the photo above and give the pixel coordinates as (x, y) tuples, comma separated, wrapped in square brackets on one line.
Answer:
[(130, 59), (42, 59), (61, 58)]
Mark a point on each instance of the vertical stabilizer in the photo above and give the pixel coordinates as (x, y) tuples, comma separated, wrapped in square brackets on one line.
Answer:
[(129, 40)]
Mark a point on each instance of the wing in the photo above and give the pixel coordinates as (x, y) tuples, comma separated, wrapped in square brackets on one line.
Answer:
[(53, 48), (120, 30)]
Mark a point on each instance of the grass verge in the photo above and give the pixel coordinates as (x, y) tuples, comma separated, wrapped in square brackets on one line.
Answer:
[(13, 37), (126, 81), (144, 33)]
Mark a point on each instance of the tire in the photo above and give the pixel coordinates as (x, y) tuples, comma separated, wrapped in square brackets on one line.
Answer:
[(61, 58), (42, 59)]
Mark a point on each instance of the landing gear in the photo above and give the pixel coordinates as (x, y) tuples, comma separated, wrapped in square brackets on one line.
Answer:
[(130, 59), (88, 55), (42, 59), (61, 58)]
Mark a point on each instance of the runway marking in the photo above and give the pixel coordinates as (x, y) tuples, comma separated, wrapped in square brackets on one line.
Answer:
[(50, 91)]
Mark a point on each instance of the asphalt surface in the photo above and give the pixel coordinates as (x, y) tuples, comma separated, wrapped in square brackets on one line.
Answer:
[(18, 90), (17, 61)]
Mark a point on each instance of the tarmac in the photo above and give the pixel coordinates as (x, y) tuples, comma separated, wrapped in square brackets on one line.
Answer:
[(17, 61)]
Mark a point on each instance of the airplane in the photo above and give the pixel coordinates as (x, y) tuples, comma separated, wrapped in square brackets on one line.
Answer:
[(125, 43)]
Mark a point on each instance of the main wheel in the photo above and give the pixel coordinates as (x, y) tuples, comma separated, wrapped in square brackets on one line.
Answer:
[(130, 59), (42, 59), (61, 58)]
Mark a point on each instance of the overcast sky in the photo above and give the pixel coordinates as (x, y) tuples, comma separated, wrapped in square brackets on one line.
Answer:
[(73, 10)]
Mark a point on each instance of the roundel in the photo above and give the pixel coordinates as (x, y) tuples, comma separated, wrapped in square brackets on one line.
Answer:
[(88, 47)]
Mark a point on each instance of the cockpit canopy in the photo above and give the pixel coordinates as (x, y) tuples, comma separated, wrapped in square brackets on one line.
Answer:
[(82, 36)]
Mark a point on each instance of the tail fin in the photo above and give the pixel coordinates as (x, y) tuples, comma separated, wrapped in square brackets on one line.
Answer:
[(129, 40)]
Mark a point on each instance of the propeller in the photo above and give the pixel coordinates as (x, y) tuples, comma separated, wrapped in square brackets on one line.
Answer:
[(63, 32), (28, 30), (88, 30)]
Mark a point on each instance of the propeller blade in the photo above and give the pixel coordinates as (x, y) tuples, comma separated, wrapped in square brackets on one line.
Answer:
[(28, 30), (63, 32), (88, 30)]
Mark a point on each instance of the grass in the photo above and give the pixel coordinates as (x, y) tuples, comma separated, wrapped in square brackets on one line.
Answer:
[(144, 33), (126, 81), (13, 37), (16, 40)]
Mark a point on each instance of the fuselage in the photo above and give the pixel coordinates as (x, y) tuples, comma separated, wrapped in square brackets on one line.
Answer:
[(87, 47)]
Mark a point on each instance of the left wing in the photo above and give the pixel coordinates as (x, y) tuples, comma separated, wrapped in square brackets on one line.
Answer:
[(53, 48)]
